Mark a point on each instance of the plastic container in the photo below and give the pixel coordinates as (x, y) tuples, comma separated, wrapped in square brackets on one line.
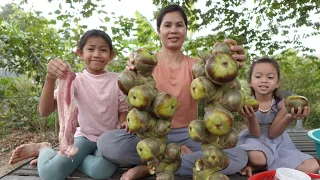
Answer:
[(315, 136), (270, 175), (290, 174)]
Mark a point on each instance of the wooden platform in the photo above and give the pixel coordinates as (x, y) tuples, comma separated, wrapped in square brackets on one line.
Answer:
[(27, 172)]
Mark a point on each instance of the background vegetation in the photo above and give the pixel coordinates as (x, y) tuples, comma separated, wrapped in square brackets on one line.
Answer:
[(28, 41)]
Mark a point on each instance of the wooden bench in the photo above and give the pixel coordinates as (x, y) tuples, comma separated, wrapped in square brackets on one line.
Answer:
[(27, 172)]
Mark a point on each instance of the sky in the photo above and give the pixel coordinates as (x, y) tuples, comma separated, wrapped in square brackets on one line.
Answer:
[(127, 8)]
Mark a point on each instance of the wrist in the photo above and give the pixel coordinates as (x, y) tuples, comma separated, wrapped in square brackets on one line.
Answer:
[(50, 78)]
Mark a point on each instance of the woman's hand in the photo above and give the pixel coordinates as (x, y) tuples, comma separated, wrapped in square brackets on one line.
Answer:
[(57, 68), (124, 126), (300, 114), (130, 63), (247, 112), (240, 56)]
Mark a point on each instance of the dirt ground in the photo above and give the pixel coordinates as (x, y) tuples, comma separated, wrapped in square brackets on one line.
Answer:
[(9, 142)]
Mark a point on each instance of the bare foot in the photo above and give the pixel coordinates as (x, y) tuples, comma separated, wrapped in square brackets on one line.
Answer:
[(26, 151), (34, 162), (136, 173), (246, 171), (185, 150)]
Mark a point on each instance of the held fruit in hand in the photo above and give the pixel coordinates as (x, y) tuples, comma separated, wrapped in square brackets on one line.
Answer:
[(295, 101)]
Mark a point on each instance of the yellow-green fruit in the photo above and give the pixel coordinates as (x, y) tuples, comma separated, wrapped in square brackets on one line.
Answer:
[(141, 96), (218, 176), (172, 153), (161, 128), (251, 102), (148, 149), (295, 101), (198, 131), (229, 140), (221, 47), (218, 121), (164, 105), (144, 61), (214, 157), (127, 80), (138, 121), (202, 88), (198, 68), (233, 100), (221, 68)]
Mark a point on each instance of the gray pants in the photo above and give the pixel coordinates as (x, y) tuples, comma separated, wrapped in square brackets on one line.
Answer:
[(120, 147)]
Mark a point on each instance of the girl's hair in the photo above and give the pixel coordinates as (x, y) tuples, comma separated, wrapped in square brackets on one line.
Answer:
[(94, 33), (276, 93), (168, 9)]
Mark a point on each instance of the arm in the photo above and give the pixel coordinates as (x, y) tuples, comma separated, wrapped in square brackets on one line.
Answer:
[(47, 102), (251, 121), (56, 68), (122, 117), (280, 122)]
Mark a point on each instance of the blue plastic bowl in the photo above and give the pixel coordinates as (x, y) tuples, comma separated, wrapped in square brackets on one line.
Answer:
[(315, 136)]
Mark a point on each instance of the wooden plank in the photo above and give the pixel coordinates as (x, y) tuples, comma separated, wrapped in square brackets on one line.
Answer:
[(16, 177)]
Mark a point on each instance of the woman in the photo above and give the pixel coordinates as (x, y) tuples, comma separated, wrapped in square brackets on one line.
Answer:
[(172, 75)]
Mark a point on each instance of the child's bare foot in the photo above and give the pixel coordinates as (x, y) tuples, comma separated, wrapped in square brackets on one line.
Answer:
[(34, 162), (246, 171), (26, 151), (135, 173), (185, 150)]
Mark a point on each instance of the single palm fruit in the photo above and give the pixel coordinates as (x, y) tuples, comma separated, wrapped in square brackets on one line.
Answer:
[(148, 133), (214, 157), (141, 96), (204, 55), (218, 121), (156, 167), (165, 175), (127, 80), (164, 105), (172, 153), (229, 140), (144, 62), (138, 121), (295, 101), (218, 95), (202, 88), (198, 131), (212, 138), (198, 68), (148, 149), (235, 84), (161, 128), (221, 47), (251, 102), (233, 100), (221, 68)]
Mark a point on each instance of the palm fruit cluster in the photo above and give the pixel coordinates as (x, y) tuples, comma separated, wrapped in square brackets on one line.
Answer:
[(216, 84), (150, 115)]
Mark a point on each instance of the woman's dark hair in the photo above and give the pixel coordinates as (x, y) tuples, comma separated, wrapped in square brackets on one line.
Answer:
[(168, 9), (94, 33), (276, 93)]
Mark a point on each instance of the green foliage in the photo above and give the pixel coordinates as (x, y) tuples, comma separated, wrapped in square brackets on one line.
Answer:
[(300, 75), (19, 104)]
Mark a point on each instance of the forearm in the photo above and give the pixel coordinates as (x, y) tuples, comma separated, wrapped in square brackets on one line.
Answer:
[(122, 116), (276, 129), (253, 126), (47, 102)]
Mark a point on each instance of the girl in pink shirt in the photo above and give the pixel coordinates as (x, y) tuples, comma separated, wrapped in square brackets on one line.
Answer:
[(101, 104)]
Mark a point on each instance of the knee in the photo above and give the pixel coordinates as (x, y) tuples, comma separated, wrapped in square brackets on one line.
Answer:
[(49, 173), (238, 160), (103, 170), (257, 158), (312, 165), (105, 143)]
